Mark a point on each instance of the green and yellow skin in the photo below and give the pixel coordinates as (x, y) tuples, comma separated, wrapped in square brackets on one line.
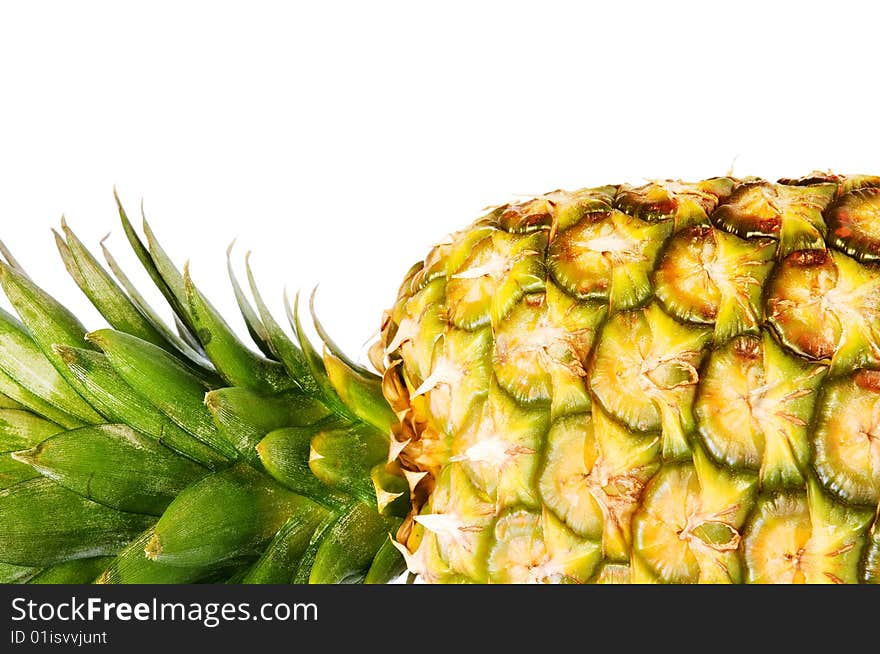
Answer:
[(669, 383), (674, 383)]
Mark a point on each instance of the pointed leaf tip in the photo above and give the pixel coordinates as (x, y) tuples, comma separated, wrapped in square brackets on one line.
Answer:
[(98, 337), (314, 361), (238, 365), (65, 353), (6, 254), (258, 332), (28, 457)]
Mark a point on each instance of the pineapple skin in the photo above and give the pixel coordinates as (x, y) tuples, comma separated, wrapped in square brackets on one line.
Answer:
[(671, 383)]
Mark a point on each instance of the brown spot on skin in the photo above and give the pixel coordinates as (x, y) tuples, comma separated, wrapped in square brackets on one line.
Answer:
[(564, 247), (813, 178), (696, 233), (709, 312), (598, 284), (539, 219), (727, 215), (770, 225), (748, 347), (666, 208), (816, 346), (796, 307), (534, 219), (523, 217), (868, 379), (803, 258), (635, 204)]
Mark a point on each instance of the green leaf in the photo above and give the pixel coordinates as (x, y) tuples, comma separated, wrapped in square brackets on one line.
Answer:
[(251, 320), (28, 366), (363, 395), (343, 458), (284, 348), (335, 349), (121, 403), (21, 429), (285, 455), (131, 566), (238, 365), (36, 404), (44, 524), (182, 349), (315, 364), (16, 574), (245, 417), (279, 562), (165, 383), (170, 275), (13, 472), (144, 255), (387, 565), (103, 292), (47, 320), (6, 254), (7, 402), (114, 465), (347, 551), (78, 571), (67, 258), (227, 516), (304, 568)]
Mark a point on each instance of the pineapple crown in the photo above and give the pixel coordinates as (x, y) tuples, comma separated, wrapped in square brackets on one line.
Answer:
[(142, 453)]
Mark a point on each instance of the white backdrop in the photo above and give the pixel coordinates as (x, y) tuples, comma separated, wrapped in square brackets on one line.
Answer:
[(339, 140)]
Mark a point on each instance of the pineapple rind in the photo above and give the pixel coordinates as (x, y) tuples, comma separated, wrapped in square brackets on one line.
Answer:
[(709, 356)]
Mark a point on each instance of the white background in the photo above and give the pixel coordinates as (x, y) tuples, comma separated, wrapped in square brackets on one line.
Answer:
[(339, 140)]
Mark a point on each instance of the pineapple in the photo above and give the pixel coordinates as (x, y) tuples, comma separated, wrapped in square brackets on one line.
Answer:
[(670, 383)]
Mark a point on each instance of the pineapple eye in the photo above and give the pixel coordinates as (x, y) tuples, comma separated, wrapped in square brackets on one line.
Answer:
[(709, 277), (854, 223), (846, 438), (804, 538), (826, 306), (753, 407), (685, 204), (608, 256), (790, 214)]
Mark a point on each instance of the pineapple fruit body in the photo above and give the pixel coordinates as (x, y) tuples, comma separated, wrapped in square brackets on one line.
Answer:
[(672, 383)]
